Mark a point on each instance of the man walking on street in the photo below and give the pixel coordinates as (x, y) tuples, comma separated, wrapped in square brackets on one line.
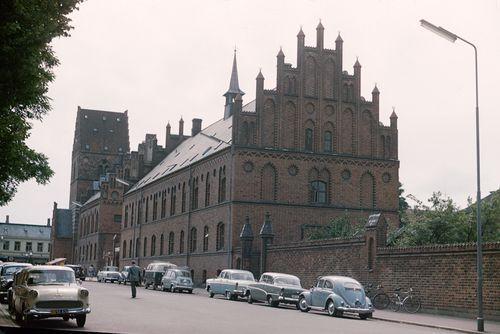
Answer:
[(134, 276)]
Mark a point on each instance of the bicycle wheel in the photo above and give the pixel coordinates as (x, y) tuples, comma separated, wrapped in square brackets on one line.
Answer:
[(395, 304), (411, 304), (381, 301)]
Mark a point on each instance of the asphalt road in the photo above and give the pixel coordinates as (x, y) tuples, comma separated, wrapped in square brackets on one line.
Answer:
[(113, 310)]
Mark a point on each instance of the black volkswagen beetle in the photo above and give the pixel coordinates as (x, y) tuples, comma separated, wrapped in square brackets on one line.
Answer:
[(7, 271), (154, 273)]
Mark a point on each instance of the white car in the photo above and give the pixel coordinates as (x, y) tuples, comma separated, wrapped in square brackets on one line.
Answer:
[(49, 291), (108, 274), (231, 283)]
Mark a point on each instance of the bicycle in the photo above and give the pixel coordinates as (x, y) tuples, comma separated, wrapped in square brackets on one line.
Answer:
[(410, 302), (379, 298)]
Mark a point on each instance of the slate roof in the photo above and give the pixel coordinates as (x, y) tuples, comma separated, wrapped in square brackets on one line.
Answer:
[(64, 225), (25, 231), (97, 195)]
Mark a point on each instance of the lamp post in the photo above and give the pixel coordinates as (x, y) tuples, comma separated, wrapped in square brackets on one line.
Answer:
[(452, 38)]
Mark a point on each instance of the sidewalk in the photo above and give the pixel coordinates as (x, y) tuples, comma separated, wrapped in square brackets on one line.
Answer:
[(437, 321)]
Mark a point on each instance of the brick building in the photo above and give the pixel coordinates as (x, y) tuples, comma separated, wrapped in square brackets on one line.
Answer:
[(306, 151), (61, 236)]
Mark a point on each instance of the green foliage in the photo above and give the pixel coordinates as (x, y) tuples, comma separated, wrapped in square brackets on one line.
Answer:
[(27, 27), (403, 204), (443, 222), (339, 227)]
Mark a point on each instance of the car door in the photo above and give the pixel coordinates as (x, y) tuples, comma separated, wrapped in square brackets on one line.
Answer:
[(327, 291), (218, 284), (316, 293), (260, 288)]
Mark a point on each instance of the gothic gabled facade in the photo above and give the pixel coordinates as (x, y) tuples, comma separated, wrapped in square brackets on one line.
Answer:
[(303, 153)]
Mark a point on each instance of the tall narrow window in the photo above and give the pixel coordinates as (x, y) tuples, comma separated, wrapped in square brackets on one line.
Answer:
[(172, 200), (220, 236), (163, 203), (193, 240), (147, 210), (328, 142), (137, 247), (130, 248), (222, 184), (171, 240), (124, 250), (207, 190), (132, 215), (125, 222), (162, 241), (145, 247), (155, 206), (153, 245), (194, 196), (309, 140), (181, 243), (205, 239), (318, 192), (183, 200)]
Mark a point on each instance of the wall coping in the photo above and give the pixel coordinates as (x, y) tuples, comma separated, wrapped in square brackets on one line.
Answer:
[(318, 243), (460, 247)]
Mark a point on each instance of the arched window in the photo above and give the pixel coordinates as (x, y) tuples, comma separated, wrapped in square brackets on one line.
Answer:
[(367, 191), (153, 245), (172, 200), (204, 276), (124, 250), (162, 242), (207, 190), (268, 183), (132, 215), (183, 199), (171, 241), (238, 263), (194, 197), (181, 243), (137, 247), (309, 139), (328, 142), (130, 248), (318, 192), (310, 82), (205, 239), (125, 222), (220, 236), (163, 204), (193, 240), (147, 210), (95, 251), (345, 93), (222, 184), (145, 247)]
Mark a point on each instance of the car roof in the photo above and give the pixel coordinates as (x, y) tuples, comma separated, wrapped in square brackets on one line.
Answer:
[(339, 279), (236, 271), (49, 267), (16, 264), (279, 274)]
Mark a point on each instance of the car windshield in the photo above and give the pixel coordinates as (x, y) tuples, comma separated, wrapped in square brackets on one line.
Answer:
[(112, 269), (184, 273), (9, 271), (287, 280), (242, 276), (47, 277), (350, 286)]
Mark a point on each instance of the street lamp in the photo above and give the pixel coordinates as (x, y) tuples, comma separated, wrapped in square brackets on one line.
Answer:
[(452, 38)]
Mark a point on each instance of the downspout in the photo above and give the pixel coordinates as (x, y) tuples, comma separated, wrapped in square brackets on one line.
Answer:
[(230, 212), (188, 232)]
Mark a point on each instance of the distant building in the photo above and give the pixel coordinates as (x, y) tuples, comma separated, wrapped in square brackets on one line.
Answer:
[(61, 234), (24, 242)]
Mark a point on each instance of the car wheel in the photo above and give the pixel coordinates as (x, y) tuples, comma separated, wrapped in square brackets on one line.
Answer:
[(162, 287), (303, 307), (172, 288), (210, 293), (365, 316), (80, 320), (190, 291), (338, 314), (66, 317), (228, 295), (330, 307), (249, 298), (146, 286)]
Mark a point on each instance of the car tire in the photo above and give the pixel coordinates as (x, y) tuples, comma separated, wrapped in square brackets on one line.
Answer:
[(190, 291), (163, 287), (228, 295), (80, 320), (249, 298), (330, 308), (210, 293), (365, 316), (271, 302), (65, 318), (338, 314), (172, 288), (303, 307)]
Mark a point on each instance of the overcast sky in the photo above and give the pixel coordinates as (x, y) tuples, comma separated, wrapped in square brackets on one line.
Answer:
[(163, 59)]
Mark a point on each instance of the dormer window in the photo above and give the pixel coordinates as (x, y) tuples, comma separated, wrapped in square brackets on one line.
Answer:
[(103, 118)]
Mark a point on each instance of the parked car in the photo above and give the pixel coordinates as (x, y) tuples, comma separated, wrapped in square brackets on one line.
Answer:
[(7, 270), (275, 288), (154, 273), (336, 295), (177, 280), (79, 271), (108, 274), (49, 291), (124, 276), (231, 283)]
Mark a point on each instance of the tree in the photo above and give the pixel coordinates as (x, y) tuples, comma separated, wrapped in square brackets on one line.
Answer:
[(403, 204), (339, 227), (26, 61)]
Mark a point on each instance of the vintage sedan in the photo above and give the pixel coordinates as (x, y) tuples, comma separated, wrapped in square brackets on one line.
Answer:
[(79, 271), (49, 291), (154, 273), (275, 288), (336, 295), (108, 274), (231, 283), (7, 271), (124, 276), (177, 280)]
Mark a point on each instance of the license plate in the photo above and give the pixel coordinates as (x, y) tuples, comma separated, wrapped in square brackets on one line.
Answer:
[(295, 296), (60, 311)]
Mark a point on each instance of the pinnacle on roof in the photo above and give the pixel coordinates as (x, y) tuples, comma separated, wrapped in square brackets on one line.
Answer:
[(301, 33), (246, 231), (238, 97), (266, 230), (234, 87), (375, 90), (357, 64), (260, 76), (339, 39), (320, 26), (393, 115), (280, 53)]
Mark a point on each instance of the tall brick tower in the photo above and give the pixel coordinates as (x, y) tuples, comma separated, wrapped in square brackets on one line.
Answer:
[(100, 146)]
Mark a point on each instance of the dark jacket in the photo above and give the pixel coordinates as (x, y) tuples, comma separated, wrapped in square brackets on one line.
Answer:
[(134, 273)]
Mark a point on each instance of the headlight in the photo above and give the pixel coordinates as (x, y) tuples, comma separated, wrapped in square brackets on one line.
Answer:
[(33, 294), (84, 293)]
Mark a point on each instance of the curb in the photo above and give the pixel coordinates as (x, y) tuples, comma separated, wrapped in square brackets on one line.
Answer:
[(428, 325)]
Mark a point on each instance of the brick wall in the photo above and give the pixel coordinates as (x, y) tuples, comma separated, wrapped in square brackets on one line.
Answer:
[(443, 276)]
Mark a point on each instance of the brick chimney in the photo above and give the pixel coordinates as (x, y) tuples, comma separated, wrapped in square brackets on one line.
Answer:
[(48, 222), (196, 126), (6, 219)]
